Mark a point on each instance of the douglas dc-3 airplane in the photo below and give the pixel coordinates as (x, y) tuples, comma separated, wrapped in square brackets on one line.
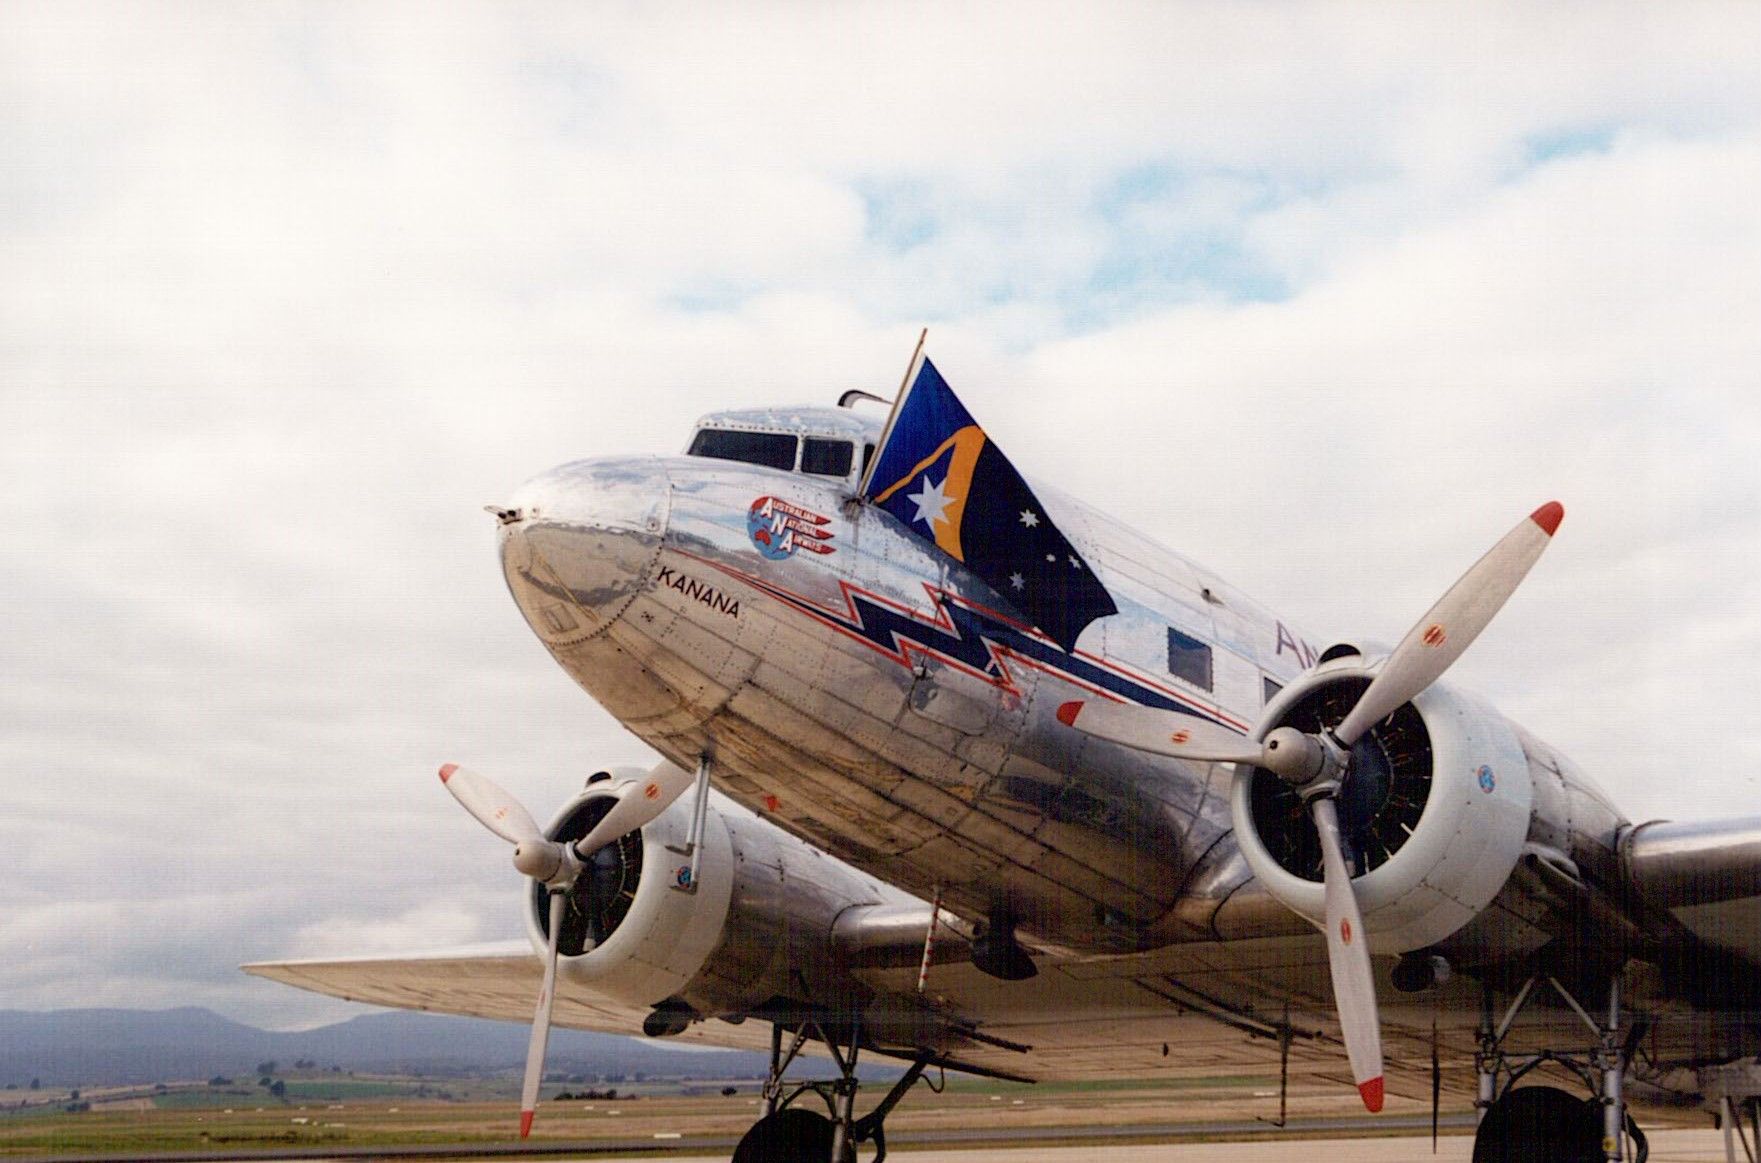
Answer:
[(1029, 796)]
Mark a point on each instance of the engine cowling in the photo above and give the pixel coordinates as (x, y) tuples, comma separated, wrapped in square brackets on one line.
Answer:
[(761, 912), (1434, 814)]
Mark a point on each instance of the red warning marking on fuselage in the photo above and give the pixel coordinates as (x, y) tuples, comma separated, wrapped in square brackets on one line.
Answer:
[(1180, 737)]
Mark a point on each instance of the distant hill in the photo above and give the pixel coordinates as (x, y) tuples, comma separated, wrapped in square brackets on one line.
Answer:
[(109, 1047)]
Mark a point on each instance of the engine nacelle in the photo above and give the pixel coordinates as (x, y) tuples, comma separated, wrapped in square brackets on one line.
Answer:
[(636, 932), (1434, 815)]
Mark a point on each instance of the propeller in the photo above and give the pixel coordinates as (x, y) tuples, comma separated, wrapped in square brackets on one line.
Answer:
[(1450, 627), (1348, 957), (1161, 732), (540, 1040), (639, 801), (557, 866), (1316, 764)]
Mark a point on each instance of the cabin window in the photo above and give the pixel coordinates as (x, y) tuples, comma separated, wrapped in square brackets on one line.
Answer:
[(1190, 659), (771, 449), (826, 458)]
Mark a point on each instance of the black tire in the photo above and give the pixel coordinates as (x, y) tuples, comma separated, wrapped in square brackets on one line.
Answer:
[(791, 1135), (1540, 1124)]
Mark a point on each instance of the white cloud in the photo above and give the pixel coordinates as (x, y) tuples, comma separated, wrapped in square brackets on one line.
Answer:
[(435, 925)]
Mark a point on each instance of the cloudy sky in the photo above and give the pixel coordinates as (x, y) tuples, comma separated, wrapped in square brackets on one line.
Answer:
[(1324, 295)]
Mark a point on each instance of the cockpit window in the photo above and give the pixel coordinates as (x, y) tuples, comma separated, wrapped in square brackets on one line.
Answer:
[(771, 449), (826, 458)]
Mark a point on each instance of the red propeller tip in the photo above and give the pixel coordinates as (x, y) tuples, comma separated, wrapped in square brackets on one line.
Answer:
[(526, 1120), (1372, 1094), (447, 770), (1548, 516), (1068, 712)]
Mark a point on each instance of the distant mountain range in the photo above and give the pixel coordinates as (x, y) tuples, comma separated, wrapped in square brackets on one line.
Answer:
[(113, 1047)]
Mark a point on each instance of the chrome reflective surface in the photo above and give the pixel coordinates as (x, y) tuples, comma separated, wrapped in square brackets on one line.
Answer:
[(1699, 863), (584, 544), (906, 762), (749, 613)]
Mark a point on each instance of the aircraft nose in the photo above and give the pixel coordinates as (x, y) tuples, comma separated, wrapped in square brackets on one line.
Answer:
[(579, 542)]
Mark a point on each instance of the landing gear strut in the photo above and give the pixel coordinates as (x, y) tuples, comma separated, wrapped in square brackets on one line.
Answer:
[(1733, 1092), (793, 1134), (1543, 1122)]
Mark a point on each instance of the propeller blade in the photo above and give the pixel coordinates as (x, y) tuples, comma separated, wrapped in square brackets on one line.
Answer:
[(1451, 626), (1160, 732), (494, 808), (1348, 956), (541, 1023), (638, 803)]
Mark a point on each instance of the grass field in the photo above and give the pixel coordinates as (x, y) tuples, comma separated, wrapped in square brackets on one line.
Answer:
[(322, 1113)]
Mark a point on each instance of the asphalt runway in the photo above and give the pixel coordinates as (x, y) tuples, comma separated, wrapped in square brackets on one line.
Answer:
[(1698, 1146), (1667, 1146)]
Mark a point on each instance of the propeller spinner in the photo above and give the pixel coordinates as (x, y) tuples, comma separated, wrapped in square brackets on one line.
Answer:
[(1316, 764)]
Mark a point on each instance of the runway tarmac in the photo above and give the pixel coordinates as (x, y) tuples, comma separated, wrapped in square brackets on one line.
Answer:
[(1667, 1146), (1699, 1146)]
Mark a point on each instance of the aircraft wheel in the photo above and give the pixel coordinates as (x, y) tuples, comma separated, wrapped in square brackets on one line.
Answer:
[(1540, 1123), (791, 1135)]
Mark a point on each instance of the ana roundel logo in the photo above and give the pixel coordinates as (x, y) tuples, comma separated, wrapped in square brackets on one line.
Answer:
[(778, 529)]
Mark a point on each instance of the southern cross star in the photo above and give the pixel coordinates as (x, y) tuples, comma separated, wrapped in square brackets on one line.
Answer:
[(1029, 518), (932, 503)]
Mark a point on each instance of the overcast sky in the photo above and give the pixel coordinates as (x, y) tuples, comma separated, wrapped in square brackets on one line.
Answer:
[(1326, 296)]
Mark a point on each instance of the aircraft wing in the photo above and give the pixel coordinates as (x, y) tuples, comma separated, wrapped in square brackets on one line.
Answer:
[(496, 981), (1194, 1009), (1186, 1011), (1704, 875)]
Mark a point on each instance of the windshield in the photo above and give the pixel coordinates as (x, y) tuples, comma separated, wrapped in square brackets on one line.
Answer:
[(771, 449)]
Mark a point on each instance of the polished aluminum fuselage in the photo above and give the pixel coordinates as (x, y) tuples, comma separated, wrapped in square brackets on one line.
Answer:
[(930, 757)]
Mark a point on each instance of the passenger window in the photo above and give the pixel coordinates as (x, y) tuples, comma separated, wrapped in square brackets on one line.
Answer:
[(826, 458), (1190, 659), (771, 449)]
